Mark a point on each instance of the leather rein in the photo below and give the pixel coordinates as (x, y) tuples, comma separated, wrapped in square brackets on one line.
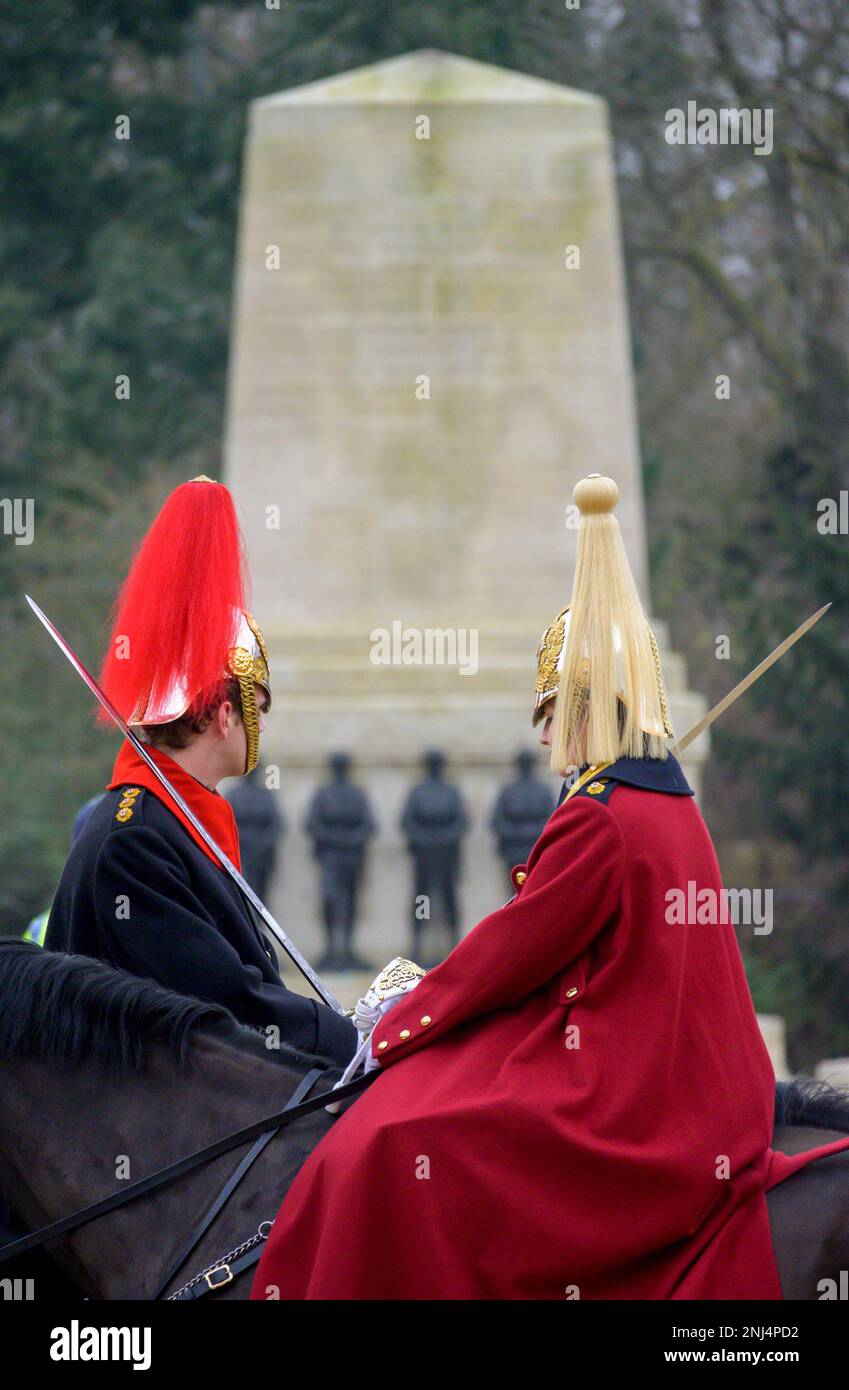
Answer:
[(223, 1272)]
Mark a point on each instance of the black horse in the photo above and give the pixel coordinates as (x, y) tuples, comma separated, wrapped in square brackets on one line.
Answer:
[(105, 1078)]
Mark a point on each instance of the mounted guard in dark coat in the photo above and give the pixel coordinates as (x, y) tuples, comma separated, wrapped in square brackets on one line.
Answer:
[(187, 668)]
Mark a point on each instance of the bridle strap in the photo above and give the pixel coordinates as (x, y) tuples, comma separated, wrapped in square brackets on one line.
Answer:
[(183, 1165), (202, 1288), (300, 1093)]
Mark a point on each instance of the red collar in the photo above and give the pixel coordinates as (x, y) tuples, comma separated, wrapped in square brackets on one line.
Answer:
[(215, 813)]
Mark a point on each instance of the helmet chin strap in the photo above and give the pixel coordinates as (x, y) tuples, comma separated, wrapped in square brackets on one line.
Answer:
[(250, 762)]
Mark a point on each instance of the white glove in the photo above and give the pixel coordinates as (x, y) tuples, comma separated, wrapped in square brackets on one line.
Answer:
[(367, 1015), (394, 981), (371, 1014)]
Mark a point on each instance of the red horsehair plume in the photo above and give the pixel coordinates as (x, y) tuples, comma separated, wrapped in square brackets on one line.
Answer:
[(178, 611)]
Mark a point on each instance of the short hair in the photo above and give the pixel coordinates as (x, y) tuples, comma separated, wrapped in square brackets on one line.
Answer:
[(179, 733)]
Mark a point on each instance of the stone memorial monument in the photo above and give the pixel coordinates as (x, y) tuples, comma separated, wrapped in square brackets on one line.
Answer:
[(430, 346)]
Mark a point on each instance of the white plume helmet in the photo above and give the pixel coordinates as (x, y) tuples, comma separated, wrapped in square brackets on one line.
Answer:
[(600, 656)]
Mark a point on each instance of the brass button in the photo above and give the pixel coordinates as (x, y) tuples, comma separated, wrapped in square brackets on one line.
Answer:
[(381, 1046), (426, 1019), (520, 877), (595, 787), (570, 993), (404, 1034)]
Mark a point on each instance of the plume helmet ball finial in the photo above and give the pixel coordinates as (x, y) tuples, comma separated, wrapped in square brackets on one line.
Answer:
[(595, 495)]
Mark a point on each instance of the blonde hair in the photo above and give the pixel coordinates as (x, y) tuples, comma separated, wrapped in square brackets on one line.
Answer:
[(618, 695)]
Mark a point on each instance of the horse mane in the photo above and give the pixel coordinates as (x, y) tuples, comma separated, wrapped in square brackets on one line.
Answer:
[(72, 1009), (813, 1103)]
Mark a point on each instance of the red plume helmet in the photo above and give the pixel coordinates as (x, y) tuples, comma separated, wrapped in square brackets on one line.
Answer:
[(180, 617)]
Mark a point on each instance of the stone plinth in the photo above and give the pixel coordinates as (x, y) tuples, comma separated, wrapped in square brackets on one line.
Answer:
[(417, 381), (774, 1035), (834, 1070)]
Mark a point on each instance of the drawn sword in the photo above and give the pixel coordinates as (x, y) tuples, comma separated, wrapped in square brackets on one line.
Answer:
[(256, 903), (744, 684), (597, 768)]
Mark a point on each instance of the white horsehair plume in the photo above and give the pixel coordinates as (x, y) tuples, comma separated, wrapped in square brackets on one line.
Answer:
[(611, 684)]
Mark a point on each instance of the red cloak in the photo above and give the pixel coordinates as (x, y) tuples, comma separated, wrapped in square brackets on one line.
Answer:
[(577, 1102)]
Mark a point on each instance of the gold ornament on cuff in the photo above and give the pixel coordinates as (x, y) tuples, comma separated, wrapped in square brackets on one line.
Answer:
[(397, 975)]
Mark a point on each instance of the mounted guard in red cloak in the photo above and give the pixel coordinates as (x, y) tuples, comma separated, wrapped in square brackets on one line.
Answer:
[(578, 1102)]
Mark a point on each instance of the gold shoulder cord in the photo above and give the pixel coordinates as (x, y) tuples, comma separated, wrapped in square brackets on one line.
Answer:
[(584, 778)]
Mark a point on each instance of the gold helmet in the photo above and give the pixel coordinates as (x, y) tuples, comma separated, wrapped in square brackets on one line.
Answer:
[(247, 661)]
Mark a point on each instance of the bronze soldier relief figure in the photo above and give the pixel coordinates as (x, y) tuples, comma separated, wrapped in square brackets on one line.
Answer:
[(340, 824), (521, 810), (434, 822), (262, 825)]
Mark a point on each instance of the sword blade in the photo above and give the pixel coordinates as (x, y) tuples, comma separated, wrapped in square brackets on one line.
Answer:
[(274, 927), (753, 676)]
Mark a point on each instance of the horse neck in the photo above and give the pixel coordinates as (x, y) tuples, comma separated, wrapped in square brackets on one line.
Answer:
[(797, 1139), (69, 1137)]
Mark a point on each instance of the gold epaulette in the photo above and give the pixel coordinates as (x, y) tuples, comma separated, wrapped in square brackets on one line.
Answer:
[(126, 805)]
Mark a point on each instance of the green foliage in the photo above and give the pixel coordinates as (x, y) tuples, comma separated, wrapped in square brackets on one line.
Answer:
[(116, 259)]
